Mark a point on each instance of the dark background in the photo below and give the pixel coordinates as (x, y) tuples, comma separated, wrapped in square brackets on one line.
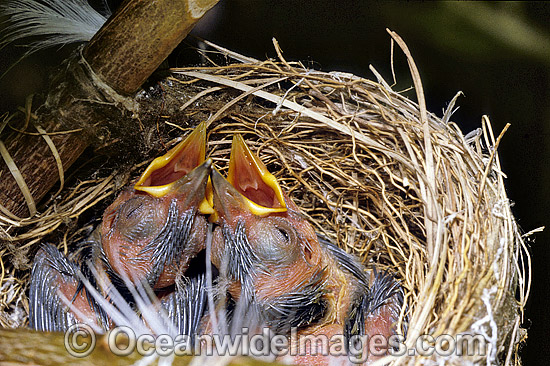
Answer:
[(497, 54)]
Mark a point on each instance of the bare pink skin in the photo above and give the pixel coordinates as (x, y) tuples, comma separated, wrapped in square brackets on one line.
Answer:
[(131, 222), (86, 314)]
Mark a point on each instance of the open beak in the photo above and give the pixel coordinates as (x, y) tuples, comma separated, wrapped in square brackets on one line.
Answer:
[(167, 174), (262, 194)]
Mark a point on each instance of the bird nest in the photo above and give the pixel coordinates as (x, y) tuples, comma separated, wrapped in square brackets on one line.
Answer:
[(372, 170)]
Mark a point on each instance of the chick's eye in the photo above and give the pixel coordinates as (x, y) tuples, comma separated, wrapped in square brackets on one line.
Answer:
[(136, 219), (284, 234), (274, 242)]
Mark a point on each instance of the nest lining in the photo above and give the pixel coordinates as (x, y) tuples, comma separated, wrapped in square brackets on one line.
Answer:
[(371, 169)]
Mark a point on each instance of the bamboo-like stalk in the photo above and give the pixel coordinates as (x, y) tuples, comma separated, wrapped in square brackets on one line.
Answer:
[(27, 347), (138, 37)]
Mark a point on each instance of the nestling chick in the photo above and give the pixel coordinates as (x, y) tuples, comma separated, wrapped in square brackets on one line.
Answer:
[(148, 234), (152, 231), (272, 261)]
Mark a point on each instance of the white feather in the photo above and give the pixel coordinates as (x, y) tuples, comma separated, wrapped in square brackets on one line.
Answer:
[(49, 23)]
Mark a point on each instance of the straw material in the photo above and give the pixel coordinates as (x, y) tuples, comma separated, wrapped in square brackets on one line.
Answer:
[(372, 170)]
